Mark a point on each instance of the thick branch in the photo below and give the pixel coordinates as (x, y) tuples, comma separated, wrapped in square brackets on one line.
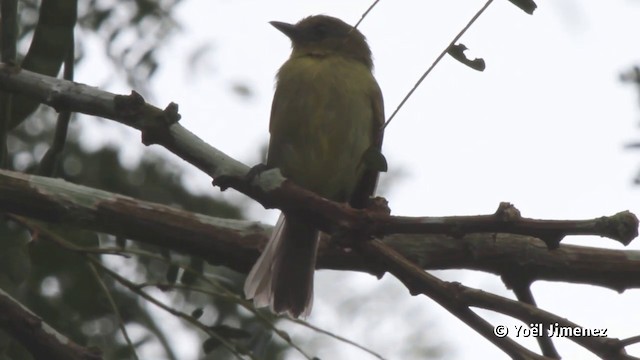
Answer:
[(622, 226), (458, 299), (40, 339), (236, 244), (270, 188), (445, 294)]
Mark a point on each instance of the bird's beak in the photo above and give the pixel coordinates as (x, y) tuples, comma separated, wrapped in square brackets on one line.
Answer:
[(287, 29)]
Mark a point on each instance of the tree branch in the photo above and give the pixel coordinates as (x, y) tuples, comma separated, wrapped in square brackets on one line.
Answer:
[(236, 244), (40, 339), (458, 299), (270, 188)]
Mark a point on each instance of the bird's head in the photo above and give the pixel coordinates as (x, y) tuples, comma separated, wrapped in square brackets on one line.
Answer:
[(325, 35)]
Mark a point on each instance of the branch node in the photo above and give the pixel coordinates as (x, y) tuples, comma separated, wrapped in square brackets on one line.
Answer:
[(378, 206), (507, 212), (153, 123), (551, 239), (128, 105), (622, 226), (224, 182), (516, 279), (171, 115)]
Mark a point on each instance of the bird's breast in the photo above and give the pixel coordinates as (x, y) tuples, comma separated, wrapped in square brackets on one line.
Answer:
[(321, 123)]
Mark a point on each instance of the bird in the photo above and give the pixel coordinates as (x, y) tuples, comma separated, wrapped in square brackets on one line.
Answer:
[(327, 117)]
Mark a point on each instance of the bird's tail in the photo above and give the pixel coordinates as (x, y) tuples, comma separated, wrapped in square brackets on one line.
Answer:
[(282, 278)]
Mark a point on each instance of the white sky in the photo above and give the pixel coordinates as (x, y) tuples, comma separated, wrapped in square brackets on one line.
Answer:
[(542, 127)]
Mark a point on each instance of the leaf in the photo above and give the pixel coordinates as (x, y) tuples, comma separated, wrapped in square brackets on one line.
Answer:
[(210, 344), (190, 276), (172, 273), (197, 313), (457, 52), (527, 6), (284, 335)]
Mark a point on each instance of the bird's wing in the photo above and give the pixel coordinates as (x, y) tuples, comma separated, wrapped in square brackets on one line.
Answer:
[(369, 180)]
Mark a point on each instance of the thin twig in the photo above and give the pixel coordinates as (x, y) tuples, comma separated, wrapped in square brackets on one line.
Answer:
[(337, 337), (134, 288), (216, 289), (116, 312), (521, 287), (459, 299), (630, 341), (418, 281), (442, 54), (221, 292), (366, 13)]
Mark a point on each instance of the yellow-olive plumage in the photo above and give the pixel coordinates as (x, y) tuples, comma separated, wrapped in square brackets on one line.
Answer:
[(327, 112)]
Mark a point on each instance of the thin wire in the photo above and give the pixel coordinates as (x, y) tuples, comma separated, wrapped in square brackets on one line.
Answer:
[(442, 54)]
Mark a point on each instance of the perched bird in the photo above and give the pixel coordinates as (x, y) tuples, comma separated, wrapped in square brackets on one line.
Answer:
[(326, 119)]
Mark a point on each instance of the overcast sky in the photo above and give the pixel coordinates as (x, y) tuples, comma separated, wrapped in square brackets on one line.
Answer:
[(542, 127)]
